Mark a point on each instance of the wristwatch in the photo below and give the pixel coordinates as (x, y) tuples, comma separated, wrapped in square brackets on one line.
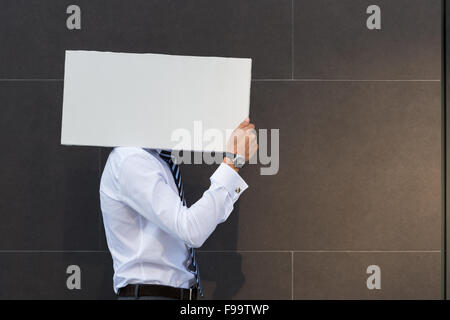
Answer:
[(237, 159)]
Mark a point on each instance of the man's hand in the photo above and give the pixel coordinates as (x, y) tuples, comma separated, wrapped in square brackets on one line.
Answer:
[(242, 141)]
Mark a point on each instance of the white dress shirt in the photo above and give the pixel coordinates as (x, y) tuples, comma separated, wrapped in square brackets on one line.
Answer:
[(147, 227)]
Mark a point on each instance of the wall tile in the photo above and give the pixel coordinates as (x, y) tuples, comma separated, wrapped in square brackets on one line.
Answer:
[(44, 275), (333, 42), (35, 40), (360, 167), (344, 275)]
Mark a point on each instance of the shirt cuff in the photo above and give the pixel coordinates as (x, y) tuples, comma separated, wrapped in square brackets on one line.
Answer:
[(230, 179)]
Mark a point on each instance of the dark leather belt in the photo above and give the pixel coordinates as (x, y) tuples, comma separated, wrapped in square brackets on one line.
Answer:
[(156, 290)]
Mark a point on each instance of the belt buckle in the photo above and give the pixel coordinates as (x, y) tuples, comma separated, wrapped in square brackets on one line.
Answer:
[(184, 295), (136, 291)]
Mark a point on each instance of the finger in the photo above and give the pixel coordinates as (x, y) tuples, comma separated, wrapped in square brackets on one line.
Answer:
[(247, 141), (251, 134), (244, 123), (235, 144), (247, 146), (252, 150), (250, 126)]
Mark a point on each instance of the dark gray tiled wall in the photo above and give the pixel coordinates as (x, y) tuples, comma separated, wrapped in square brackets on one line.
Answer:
[(407, 275), (359, 168), (360, 160)]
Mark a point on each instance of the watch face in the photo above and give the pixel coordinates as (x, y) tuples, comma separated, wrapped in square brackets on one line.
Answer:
[(240, 161)]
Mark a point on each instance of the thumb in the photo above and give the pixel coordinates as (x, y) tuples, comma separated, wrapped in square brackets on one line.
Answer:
[(244, 123)]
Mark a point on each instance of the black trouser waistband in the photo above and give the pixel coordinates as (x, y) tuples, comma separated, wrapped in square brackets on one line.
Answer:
[(156, 290)]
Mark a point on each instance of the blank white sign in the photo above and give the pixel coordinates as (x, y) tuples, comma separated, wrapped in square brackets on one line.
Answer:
[(153, 100)]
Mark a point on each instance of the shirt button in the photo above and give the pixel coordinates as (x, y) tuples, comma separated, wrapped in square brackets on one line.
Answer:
[(238, 190)]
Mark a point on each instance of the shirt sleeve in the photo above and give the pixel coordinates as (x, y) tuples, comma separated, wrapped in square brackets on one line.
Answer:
[(143, 187)]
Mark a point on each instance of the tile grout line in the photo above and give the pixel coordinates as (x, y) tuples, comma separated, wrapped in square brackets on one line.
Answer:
[(444, 149), (239, 251), (345, 80), (292, 39), (30, 79), (263, 80), (53, 251), (319, 251)]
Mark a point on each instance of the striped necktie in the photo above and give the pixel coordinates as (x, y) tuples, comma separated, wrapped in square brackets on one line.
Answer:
[(175, 169)]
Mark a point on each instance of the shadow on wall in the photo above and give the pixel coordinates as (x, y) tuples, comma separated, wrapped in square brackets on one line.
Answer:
[(223, 269), (220, 264)]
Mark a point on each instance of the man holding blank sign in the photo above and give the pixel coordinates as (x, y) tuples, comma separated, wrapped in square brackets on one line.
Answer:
[(137, 103), (150, 230)]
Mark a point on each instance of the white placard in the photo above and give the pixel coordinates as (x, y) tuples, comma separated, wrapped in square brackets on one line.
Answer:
[(149, 100)]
